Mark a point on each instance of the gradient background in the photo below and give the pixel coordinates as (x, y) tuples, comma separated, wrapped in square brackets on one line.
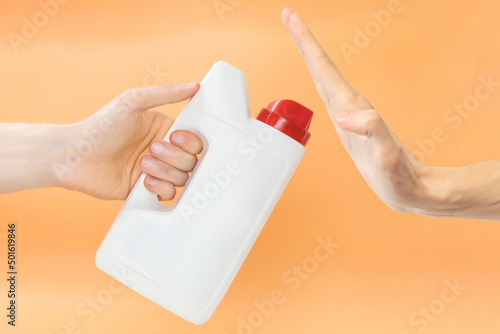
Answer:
[(388, 265)]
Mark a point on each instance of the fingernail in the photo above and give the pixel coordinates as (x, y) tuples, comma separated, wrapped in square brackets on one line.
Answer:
[(343, 116), (152, 181), (147, 162), (157, 148), (178, 139), (192, 84)]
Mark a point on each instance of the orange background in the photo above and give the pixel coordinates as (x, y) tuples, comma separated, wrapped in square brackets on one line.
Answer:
[(388, 265)]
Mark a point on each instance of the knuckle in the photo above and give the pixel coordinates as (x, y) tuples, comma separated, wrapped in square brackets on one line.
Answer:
[(169, 154), (132, 97), (169, 172), (168, 193), (373, 118), (192, 163), (184, 179), (323, 61), (126, 94), (178, 159), (165, 171), (199, 146)]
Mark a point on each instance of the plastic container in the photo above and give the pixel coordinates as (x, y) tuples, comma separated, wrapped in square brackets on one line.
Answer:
[(185, 256)]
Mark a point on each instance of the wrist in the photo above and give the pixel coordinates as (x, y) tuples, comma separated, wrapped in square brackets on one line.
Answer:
[(53, 154), (68, 155), (437, 198)]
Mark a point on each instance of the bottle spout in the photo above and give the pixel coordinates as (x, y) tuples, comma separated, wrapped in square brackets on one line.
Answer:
[(289, 117)]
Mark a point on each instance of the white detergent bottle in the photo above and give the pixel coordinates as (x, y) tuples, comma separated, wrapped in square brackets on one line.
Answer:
[(185, 256)]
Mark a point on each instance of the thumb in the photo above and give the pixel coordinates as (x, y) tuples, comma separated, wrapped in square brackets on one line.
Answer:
[(367, 123), (147, 98)]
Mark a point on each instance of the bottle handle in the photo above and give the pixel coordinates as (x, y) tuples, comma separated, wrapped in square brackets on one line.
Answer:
[(223, 95)]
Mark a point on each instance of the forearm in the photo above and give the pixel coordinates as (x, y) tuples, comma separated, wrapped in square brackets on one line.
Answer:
[(27, 154), (463, 192)]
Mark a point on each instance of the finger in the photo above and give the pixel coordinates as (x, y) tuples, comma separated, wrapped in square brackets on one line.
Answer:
[(173, 155), (186, 140), (164, 189), (163, 171), (366, 123), (146, 98), (328, 79), (315, 56)]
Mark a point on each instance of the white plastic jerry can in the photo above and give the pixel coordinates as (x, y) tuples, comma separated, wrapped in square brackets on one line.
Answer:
[(184, 256)]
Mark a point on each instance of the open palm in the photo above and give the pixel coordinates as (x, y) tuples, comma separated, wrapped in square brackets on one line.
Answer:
[(388, 167)]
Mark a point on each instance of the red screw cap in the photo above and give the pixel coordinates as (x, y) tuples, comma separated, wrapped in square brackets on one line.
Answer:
[(289, 117)]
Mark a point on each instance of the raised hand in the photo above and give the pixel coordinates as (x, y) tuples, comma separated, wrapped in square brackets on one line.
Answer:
[(391, 171)]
